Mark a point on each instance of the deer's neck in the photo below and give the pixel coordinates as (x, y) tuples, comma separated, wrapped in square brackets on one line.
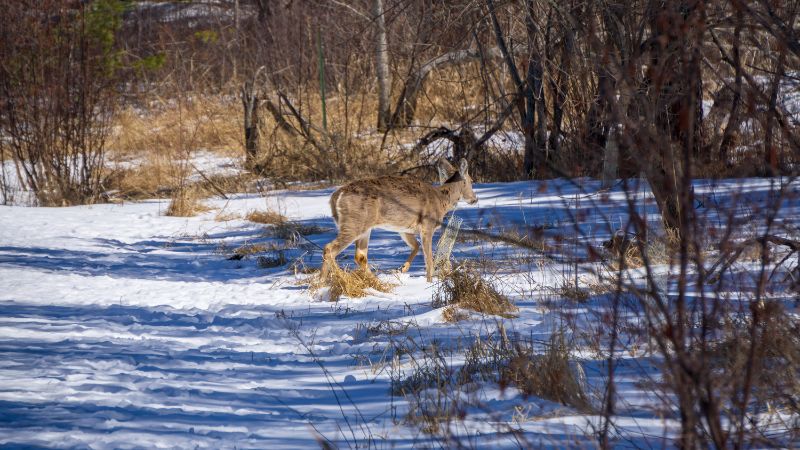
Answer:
[(451, 194)]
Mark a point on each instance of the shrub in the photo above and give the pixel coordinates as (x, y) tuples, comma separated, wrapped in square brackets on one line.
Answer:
[(57, 66)]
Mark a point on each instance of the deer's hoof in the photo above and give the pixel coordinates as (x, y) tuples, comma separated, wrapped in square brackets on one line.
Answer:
[(405, 268)]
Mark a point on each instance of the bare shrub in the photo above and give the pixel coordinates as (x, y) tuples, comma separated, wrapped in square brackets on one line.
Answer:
[(57, 68)]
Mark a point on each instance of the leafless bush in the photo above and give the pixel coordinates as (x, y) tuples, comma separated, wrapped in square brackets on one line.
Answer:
[(57, 64)]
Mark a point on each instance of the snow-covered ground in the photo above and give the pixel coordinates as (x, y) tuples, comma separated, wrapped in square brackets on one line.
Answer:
[(123, 328)]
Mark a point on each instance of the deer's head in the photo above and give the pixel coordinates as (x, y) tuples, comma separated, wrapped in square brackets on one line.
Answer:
[(460, 179)]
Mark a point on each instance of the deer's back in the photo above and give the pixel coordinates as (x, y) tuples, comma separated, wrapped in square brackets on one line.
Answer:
[(392, 202)]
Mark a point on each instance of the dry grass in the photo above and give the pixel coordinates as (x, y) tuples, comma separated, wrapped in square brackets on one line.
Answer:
[(224, 216), (186, 202), (574, 293), (627, 249), (268, 217), (440, 394), (775, 362), (453, 314), (464, 287), (277, 259), (153, 146), (282, 227), (249, 250), (354, 284), (155, 177), (549, 375), (169, 127)]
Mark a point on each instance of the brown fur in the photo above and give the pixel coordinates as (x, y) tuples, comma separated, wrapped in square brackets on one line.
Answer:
[(406, 205), (335, 213)]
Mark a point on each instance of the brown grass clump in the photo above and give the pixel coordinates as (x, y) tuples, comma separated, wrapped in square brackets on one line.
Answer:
[(625, 249), (277, 259), (186, 203), (249, 250), (574, 293), (440, 393), (283, 227), (453, 314), (628, 249), (223, 216), (774, 363), (463, 287), (353, 284), (268, 217), (548, 375)]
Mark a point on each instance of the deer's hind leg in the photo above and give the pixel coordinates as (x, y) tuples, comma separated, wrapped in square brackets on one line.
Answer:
[(412, 242), (362, 244)]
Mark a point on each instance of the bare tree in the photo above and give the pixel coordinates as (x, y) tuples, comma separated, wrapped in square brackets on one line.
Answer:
[(382, 65)]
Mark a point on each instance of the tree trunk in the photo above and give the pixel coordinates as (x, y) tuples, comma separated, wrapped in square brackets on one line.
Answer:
[(770, 150), (382, 66), (407, 103), (733, 117), (537, 108), (676, 86), (250, 103), (610, 160), (560, 87)]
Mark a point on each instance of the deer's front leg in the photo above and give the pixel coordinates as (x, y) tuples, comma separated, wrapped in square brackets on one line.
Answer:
[(427, 250)]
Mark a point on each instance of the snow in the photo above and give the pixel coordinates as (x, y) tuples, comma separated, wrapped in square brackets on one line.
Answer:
[(123, 328)]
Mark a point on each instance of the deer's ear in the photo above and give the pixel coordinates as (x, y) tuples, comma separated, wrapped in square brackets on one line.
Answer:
[(445, 169), (463, 166), (443, 175)]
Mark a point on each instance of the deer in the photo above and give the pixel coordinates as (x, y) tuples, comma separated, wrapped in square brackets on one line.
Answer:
[(406, 205)]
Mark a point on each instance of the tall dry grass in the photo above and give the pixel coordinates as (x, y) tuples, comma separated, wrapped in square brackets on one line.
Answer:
[(149, 150), (148, 141)]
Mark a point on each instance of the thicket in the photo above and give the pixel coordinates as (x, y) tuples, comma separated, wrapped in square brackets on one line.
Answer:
[(58, 64)]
